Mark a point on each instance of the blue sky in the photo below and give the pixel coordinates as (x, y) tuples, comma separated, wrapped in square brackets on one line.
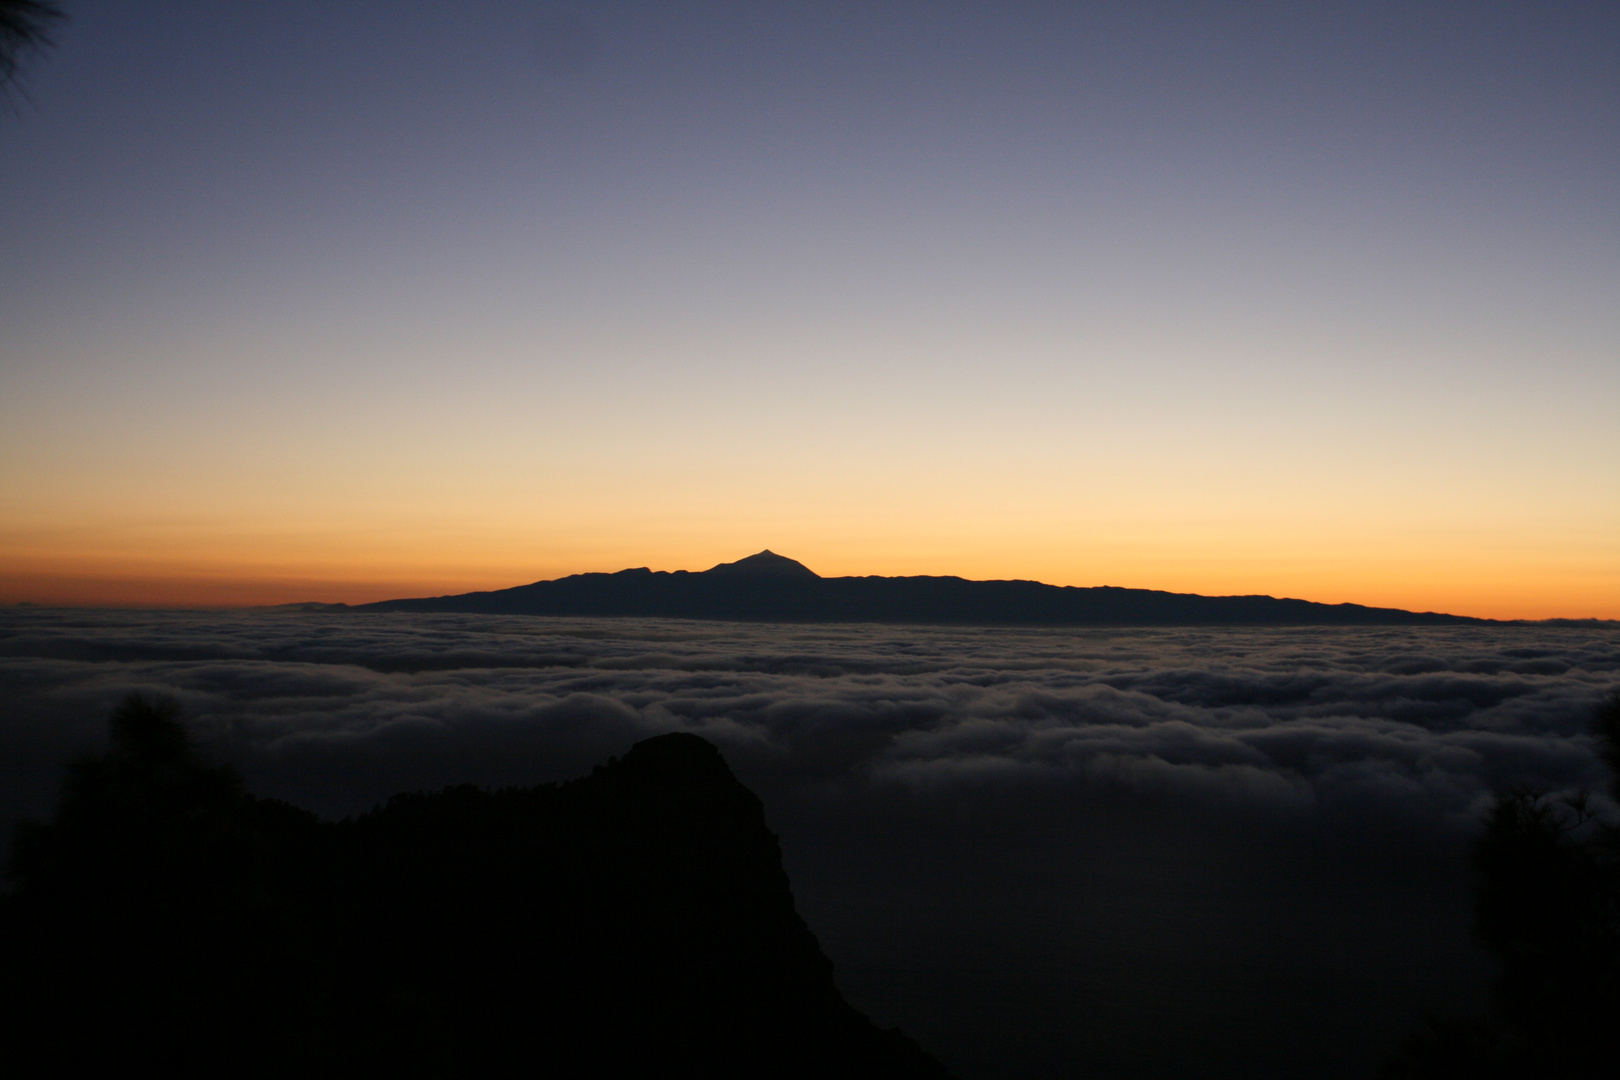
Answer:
[(333, 301)]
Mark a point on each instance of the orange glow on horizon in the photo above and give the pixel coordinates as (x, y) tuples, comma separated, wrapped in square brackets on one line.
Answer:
[(68, 581), (230, 543), (952, 312)]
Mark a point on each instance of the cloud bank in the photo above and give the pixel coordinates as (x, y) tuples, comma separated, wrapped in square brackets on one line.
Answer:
[(1031, 847), (1419, 722)]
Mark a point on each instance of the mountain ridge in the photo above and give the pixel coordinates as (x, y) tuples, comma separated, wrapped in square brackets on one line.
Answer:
[(636, 921), (767, 587)]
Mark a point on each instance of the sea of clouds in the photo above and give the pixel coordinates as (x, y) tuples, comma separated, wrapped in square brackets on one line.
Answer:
[(1042, 851)]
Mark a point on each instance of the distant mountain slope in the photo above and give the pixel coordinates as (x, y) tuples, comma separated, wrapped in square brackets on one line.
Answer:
[(771, 588)]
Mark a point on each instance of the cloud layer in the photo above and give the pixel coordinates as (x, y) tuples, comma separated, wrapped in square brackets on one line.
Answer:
[(1221, 812), (1425, 723)]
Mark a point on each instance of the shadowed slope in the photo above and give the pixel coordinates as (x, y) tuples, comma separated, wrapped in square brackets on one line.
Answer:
[(633, 922)]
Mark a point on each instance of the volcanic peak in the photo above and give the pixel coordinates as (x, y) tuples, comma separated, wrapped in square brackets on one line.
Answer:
[(765, 564)]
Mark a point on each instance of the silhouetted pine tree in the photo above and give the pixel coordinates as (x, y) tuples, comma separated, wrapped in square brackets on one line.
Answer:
[(25, 32), (1547, 905)]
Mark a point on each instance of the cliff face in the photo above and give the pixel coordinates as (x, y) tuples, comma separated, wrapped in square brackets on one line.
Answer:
[(633, 922)]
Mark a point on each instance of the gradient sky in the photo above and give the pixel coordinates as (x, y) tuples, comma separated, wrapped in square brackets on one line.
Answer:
[(311, 301)]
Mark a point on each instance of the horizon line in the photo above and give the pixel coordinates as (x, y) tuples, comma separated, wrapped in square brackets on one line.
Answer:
[(219, 592)]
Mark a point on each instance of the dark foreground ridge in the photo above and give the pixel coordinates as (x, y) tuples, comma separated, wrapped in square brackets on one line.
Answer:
[(636, 922), (770, 588)]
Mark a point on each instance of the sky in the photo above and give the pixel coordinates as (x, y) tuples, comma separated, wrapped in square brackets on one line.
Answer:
[(305, 301), (1197, 853)]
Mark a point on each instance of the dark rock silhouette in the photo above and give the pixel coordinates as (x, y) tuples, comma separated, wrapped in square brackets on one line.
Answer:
[(771, 588), (633, 922), (1547, 906), (766, 564)]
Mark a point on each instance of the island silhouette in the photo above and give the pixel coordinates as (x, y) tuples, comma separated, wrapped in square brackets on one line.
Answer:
[(767, 587)]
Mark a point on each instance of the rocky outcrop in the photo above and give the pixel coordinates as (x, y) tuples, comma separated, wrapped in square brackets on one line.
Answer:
[(633, 922)]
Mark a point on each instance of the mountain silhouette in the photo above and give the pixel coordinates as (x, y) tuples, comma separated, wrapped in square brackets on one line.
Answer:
[(766, 564), (634, 922), (768, 587)]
